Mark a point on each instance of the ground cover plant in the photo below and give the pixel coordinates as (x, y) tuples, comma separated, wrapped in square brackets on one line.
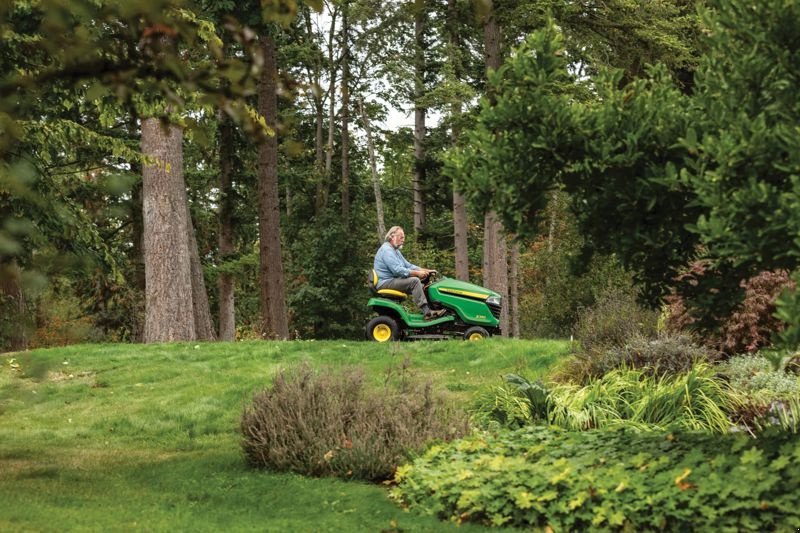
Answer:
[(609, 481), (119, 437)]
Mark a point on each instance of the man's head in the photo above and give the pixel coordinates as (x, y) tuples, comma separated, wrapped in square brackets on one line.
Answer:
[(396, 236)]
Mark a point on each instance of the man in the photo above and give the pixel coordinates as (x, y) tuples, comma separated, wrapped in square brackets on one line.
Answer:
[(394, 272)]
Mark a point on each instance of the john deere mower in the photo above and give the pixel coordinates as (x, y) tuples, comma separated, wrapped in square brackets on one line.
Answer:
[(472, 312)]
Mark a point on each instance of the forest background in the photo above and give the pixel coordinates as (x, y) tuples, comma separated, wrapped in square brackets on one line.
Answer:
[(199, 170)]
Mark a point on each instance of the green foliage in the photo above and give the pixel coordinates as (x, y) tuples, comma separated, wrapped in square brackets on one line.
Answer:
[(557, 286), (695, 401), (788, 310), (770, 394), (754, 375), (323, 423), (657, 176), (607, 480), (327, 280)]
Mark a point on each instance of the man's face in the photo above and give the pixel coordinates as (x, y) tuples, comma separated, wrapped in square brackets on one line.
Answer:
[(398, 239)]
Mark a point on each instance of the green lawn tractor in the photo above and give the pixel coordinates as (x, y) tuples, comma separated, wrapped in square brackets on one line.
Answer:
[(472, 312)]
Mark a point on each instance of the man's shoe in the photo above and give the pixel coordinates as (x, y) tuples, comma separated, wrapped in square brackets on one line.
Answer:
[(433, 315)]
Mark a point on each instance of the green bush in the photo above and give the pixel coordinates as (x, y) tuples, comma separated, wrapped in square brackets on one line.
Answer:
[(325, 423), (754, 375), (536, 477), (770, 395), (613, 320)]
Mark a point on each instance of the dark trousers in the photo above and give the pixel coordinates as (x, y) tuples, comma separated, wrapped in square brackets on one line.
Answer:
[(412, 286)]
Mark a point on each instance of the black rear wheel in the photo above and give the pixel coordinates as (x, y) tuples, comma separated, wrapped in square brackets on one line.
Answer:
[(382, 329)]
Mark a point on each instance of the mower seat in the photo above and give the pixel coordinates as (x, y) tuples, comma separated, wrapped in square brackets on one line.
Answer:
[(372, 281)]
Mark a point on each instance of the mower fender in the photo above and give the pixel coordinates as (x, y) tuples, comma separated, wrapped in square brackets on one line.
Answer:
[(381, 305)]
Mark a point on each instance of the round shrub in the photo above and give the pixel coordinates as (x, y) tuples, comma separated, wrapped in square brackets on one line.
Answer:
[(615, 318), (326, 423), (664, 355)]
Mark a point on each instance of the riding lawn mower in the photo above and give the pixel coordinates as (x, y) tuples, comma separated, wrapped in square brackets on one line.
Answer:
[(471, 312)]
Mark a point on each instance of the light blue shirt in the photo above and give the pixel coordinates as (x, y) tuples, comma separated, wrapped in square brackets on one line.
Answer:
[(390, 263)]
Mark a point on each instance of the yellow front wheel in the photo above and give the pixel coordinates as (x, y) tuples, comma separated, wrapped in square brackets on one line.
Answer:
[(476, 333), (382, 329)]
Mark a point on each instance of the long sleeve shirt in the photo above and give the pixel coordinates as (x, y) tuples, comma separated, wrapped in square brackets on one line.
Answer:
[(390, 263)]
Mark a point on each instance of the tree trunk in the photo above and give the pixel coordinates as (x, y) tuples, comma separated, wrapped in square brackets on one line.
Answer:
[(495, 245), (513, 303), (227, 309), (345, 118), (324, 189), (137, 251), (169, 308), (419, 116), (273, 301), (14, 330), (376, 185), (460, 242), (315, 72), (203, 323)]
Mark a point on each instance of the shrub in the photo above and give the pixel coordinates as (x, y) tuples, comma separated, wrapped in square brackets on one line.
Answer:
[(612, 321), (663, 355), (324, 423), (754, 375), (751, 325), (770, 395), (666, 354), (544, 479)]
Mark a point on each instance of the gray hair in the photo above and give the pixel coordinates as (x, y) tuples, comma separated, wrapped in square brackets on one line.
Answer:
[(391, 232)]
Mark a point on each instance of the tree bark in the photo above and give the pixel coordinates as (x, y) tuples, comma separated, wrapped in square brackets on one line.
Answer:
[(273, 301), (203, 323), (419, 116), (227, 308), (376, 184), (460, 242), (169, 308), (324, 189), (345, 117), (16, 329), (513, 298), (495, 244)]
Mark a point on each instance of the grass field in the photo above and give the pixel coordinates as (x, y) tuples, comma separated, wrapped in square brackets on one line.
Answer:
[(145, 437)]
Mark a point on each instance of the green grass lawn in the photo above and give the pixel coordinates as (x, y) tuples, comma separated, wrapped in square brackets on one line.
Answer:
[(121, 437)]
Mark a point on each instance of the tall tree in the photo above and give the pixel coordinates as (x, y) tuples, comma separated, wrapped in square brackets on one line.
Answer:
[(273, 300), (345, 113), (495, 249), (169, 307), (376, 183), (460, 244), (227, 308), (420, 26)]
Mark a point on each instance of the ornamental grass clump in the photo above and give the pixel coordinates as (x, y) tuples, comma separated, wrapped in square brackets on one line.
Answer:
[(695, 400), (326, 423)]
